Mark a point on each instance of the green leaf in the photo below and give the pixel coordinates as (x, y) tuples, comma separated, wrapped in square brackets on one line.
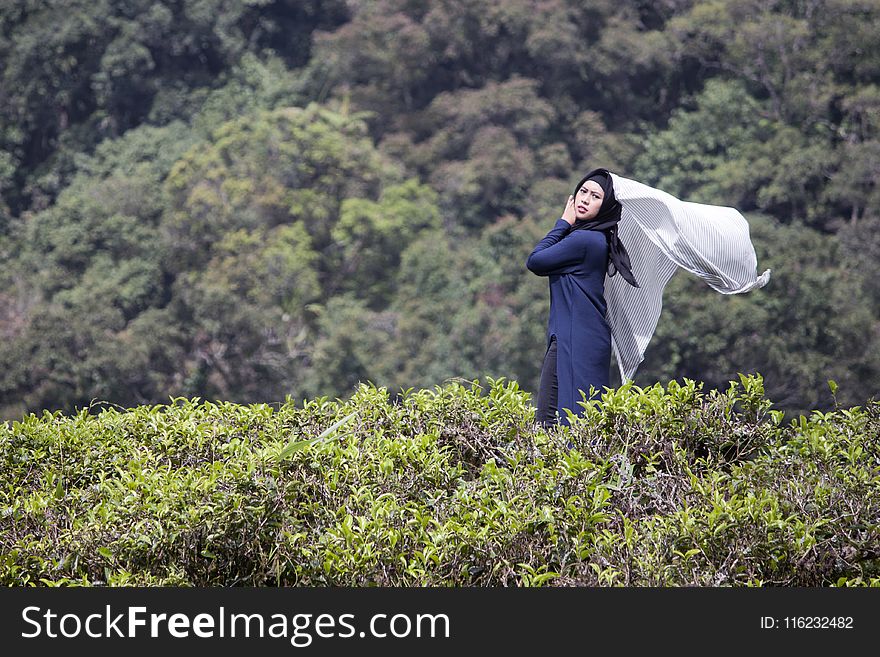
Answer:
[(299, 445)]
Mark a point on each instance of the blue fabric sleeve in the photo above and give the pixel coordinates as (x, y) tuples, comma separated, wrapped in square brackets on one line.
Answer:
[(554, 255)]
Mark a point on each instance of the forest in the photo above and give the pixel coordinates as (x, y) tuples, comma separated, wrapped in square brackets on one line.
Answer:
[(254, 201)]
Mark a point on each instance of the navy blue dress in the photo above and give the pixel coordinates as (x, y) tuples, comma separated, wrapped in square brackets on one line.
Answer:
[(576, 262)]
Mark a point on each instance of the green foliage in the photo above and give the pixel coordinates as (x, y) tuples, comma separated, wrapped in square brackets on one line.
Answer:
[(271, 223), (248, 199), (814, 94), (708, 153), (247, 309), (290, 164), (353, 344), (451, 486), (373, 235), (432, 295), (87, 278), (485, 140), (87, 70), (725, 150)]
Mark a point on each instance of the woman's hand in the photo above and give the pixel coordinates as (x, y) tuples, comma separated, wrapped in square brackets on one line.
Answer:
[(568, 213)]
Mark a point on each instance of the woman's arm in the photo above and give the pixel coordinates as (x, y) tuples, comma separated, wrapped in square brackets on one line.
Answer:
[(555, 255)]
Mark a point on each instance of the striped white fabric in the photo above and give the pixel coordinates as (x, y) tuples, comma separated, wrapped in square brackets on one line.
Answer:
[(661, 234)]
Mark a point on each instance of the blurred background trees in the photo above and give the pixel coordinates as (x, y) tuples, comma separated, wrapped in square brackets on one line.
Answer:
[(253, 199)]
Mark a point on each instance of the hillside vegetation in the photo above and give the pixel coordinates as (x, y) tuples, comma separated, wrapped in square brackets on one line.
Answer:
[(250, 199), (451, 486)]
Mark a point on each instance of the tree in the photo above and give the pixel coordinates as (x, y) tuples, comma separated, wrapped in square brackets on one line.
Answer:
[(353, 345), (83, 277), (75, 73), (372, 235), (724, 152), (270, 221), (246, 313), (263, 170)]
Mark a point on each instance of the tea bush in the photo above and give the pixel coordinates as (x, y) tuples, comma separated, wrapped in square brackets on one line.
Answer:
[(455, 486)]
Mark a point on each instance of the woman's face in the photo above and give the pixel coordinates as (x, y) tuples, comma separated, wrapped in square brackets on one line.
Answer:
[(588, 201)]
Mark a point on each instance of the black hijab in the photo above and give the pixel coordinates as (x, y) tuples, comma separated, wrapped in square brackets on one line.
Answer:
[(606, 221)]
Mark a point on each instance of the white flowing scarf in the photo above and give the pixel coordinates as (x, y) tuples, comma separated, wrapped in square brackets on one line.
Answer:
[(662, 233)]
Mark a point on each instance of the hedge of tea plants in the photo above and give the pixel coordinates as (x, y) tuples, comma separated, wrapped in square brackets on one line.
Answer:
[(453, 486)]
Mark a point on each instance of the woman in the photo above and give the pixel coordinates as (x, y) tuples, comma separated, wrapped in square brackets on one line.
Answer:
[(576, 255), (593, 313)]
